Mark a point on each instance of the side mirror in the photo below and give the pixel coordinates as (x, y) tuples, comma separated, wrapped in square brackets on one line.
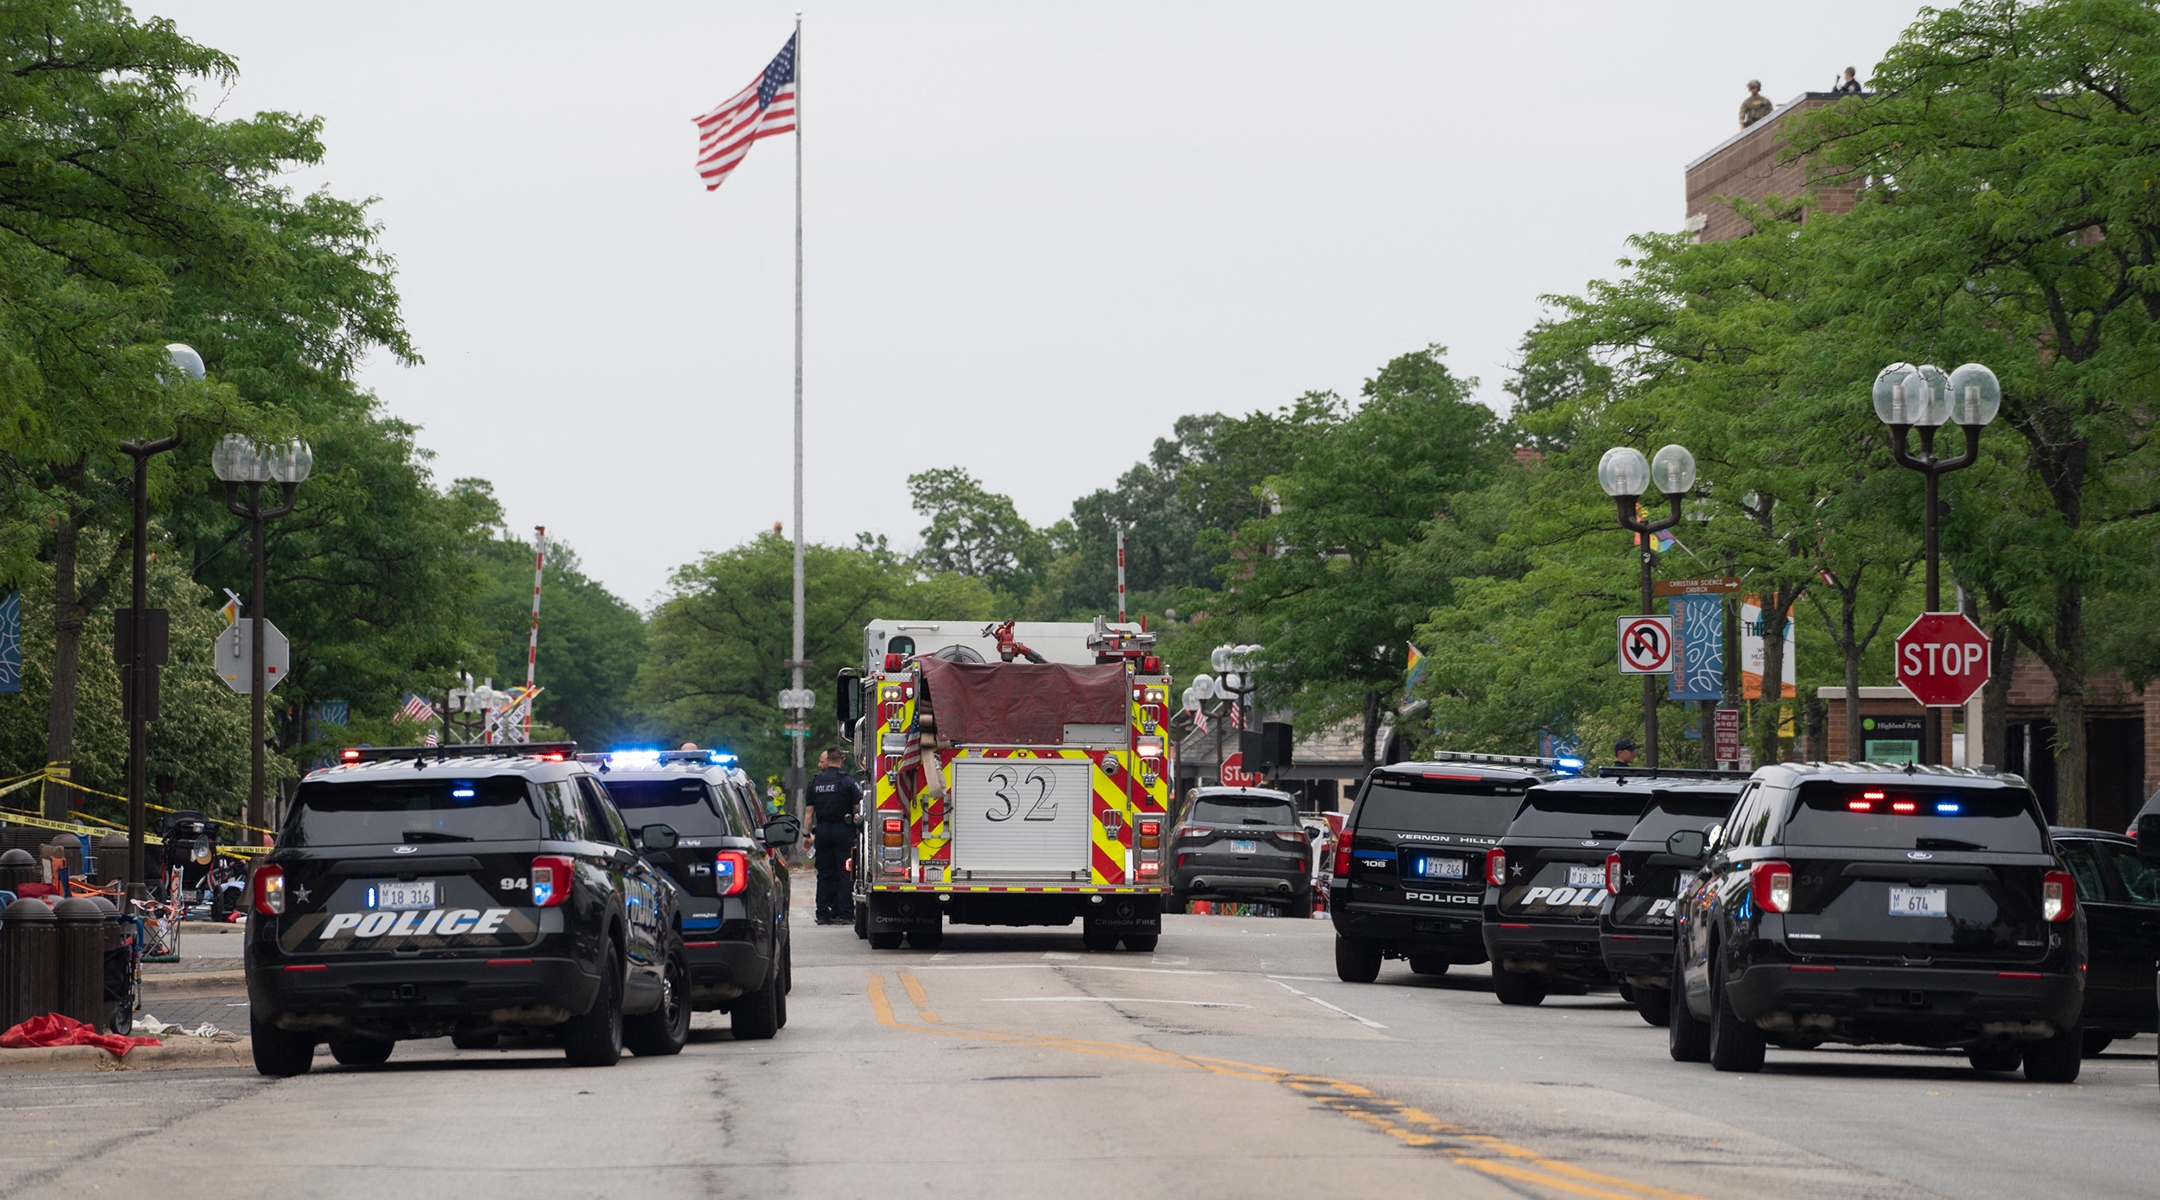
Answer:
[(847, 699), (2148, 837), (657, 837), (1688, 843), (782, 832)]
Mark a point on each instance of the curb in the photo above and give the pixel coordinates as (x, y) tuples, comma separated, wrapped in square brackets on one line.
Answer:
[(195, 983), (181, 1054)]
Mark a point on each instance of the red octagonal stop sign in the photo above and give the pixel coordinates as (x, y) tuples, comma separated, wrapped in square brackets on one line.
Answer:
[(1942, 659)]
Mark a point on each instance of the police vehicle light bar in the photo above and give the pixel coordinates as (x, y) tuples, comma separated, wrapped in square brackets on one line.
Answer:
[(635, 760), (1619, 772), (546, 751), (1504, 760)]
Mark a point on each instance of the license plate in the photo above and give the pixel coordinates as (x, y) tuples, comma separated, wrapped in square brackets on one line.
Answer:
[(1586, 877), (399, 895), (1440, 868), (1244, 847), (1919, 902)]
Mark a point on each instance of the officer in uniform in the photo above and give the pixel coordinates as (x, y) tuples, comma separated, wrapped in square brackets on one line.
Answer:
[(1623, 752), (1756, 106), (834, 800)]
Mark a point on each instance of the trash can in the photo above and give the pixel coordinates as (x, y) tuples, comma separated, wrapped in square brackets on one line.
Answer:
[(82, 927), (112, 859), (29, 976)]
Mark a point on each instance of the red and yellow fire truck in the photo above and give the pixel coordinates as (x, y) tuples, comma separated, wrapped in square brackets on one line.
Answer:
[(1020, 776)]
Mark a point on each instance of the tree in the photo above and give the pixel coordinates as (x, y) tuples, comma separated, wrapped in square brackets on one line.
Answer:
[(591, 643), (976, 533)]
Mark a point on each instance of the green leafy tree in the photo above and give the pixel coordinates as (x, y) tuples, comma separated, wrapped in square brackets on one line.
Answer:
[(591, 642), (976, 533)]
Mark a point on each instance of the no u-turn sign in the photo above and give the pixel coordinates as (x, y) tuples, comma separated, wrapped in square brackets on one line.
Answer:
[(1646, 646)]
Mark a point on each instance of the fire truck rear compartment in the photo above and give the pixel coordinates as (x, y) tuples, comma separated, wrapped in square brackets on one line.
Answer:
[(892, 912)]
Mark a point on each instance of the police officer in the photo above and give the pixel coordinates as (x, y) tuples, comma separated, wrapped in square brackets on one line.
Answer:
[(1623, 752), (834, 799)]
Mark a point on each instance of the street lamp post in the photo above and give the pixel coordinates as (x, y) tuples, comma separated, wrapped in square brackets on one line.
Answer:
[(1625, 474), (239, 461), (1906, 396), (139, 689)]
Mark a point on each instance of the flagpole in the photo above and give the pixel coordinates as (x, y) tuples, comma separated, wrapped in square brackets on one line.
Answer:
[(802, 715)]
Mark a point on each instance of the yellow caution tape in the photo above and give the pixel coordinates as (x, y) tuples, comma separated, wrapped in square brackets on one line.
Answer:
[(60, 777)]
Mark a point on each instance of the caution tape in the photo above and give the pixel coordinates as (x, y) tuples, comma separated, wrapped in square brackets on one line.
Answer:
[(14, 816), (58, 773)]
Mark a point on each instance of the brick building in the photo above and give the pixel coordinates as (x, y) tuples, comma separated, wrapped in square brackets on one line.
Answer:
[(2123, 762)]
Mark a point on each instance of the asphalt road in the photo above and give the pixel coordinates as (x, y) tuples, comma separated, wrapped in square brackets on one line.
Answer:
[(1013, 1064)]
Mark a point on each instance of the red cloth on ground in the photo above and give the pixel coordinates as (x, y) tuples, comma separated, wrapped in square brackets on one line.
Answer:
[(35, 891), (54, 1029)]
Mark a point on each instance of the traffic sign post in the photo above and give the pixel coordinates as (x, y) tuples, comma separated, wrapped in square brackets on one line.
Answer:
[(1234, 773), (1942, 659), (1646, 645), (235, 656), (1725, 736)]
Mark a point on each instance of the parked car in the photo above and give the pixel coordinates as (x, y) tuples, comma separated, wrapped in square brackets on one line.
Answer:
[(462, 891), (1409, 870), (1643, 881), (1244, 845), (2120, 893), (1863, 903), (1545, 884)]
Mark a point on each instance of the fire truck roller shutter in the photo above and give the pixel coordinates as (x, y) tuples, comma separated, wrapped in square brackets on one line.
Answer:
[(1022, 816)]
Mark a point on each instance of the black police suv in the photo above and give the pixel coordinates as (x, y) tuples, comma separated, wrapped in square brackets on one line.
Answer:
[(462, 890), (733, 889), (1410, 865), (2119, 892), (1243, 845), (1862, 903), (1643, 881), (1545, 884)]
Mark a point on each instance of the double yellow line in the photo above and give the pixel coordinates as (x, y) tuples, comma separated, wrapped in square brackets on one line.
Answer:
[(1408, 1125)]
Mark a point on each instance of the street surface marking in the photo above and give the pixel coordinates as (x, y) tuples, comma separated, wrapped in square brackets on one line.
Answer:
[(1106, 1000), (1171, 960), (915, 993), (1324, 1004), (1065, 967), (1410, 1126), (1055, 954)]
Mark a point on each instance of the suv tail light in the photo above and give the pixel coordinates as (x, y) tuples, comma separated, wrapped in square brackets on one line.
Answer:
[(1292, 837), (1342, 858), (1612, 873), (550, 880), (1496, 867), (2058, 895), (270, 890), (1151, 835), (1197, 831), (1773, 886), (892, 831), (731, 872)]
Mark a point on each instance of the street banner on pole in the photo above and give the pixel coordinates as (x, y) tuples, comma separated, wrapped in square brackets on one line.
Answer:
[(11, 643), (1646, 645), (1699, 646), (1751, 652)]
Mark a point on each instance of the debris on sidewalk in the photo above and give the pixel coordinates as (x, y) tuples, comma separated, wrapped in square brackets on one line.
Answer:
[(55, 1029)]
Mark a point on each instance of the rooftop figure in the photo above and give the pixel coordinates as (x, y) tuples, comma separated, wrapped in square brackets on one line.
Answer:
[(1756, 106)]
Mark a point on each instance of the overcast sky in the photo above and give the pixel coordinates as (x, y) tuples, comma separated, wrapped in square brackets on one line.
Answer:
[(1035, 234)]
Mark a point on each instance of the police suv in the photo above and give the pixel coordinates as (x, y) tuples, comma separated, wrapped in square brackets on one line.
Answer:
[(1409, 869), (1545, 882), (734, 889), (462, 890), (1643, 881)]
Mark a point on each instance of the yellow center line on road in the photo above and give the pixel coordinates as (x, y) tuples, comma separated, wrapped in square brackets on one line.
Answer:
[(1410, 1126)]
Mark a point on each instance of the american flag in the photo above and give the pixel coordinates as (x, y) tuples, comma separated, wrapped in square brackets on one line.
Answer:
[(421, 709), (761, 110)]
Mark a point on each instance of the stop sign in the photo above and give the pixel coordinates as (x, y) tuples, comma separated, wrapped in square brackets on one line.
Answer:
[(1234, 773), (1942, 659)]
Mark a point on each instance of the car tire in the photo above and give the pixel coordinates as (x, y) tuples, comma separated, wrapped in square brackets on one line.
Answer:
[(862, 920), (280, 1053), (926, 937), (1179, 902), (1686, 1038), (755, 1015), (595, 1038), (1141, 943), (1735, 1045), (1100, 943), (666, 1029), (2057, 1059), (1627, 990), (1356, 959), (1421, 965), (889, 940), (360, 1051), (1653, 1005), (1993, 1056), (1525, 988), (2097, 1040)]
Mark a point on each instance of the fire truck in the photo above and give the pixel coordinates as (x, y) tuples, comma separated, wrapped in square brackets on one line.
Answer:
[(1020, 775)]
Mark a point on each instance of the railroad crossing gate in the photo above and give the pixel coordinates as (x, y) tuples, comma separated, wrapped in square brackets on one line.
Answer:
[(1646, 645)]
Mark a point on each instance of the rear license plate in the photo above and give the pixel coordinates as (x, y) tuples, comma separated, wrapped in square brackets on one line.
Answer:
[(1244, 847), (1440, 868), (1586, 877), (1919, 902), (418, 894)]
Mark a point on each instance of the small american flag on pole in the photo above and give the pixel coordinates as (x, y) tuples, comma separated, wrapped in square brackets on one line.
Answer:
[(421, 709), (765, 108)]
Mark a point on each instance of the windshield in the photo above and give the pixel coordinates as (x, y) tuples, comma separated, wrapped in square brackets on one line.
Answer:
[(686, 805), (1244, 810), (1671, 812), (1439, 802), (1915, 814), (1580, 812), (373, 812)]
